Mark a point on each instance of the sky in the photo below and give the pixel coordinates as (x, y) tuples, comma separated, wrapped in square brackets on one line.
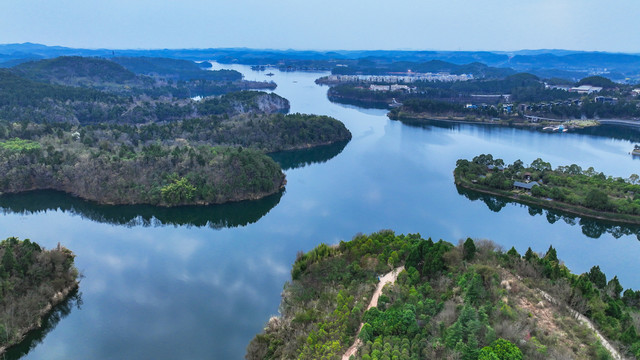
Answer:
[(497, 25)]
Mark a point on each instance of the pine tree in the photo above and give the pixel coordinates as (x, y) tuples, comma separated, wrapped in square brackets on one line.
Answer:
[(469, 249), (551, 254), (597, 277), (513, 252), (8, 259), (529, 254)]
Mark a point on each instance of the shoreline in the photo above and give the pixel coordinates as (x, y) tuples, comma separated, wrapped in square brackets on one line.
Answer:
[(97, 202), (519, 122), (552, 204), (56, 300), (252, 197)]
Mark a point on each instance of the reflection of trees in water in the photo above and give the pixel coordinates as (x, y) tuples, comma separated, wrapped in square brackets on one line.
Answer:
[(593, 228), (613, 131), (300, 158), (49, 322), (215, 216), (360, 103), (609, 131), (221, 216)]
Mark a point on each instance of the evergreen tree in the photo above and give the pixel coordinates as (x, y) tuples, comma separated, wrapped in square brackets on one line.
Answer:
[(597, 277), (469, 249), (529, 254), (8, 259), (614, 288), (551, 254)]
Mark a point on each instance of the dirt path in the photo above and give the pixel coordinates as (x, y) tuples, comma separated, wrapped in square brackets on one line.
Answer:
[(583, 319), (387, 278)]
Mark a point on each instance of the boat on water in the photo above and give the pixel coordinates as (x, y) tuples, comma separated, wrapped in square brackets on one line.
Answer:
[(270, 74), (395, 103), (636, 150), (559, 128)]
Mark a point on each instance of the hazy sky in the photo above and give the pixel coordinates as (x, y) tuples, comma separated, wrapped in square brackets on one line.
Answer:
[(327, 24)]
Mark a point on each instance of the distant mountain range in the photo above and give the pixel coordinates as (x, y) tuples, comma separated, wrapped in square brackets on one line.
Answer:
[(545, 63)]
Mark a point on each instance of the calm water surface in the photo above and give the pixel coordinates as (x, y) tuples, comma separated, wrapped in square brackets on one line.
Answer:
[(199, 283)]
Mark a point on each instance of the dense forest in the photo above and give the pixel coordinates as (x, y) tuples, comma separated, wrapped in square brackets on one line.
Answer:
[(150, 77), (470, 301), (108, 166), (174, 69), (569, 188), (196, 161), (34, 280), (62, 128), (23, 99)]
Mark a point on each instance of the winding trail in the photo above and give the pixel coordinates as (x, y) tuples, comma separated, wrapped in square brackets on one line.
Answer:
[(587, 322), (582, 319), (384, 280)]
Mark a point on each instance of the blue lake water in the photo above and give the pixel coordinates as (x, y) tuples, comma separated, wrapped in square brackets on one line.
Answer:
[(199, 283)]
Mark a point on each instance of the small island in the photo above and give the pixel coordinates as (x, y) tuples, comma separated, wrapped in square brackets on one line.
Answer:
[(34, 281), (388, 296), (568, 188)]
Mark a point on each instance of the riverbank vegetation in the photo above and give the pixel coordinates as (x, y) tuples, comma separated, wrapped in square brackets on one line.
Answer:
[(133, 165), (33, 281), (570, 188), (470, 301)]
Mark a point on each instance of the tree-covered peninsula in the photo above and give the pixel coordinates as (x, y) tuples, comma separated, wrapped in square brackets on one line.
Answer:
[(66, 125), (133, 165), (22, 99), (470, 301), (569, 188), (34, 281)]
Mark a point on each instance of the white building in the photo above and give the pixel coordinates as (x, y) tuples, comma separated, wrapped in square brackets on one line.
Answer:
[(585, 89), (373, 87), (396, 87)]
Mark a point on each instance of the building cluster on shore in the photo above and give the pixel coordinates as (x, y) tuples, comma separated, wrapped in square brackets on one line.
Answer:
[(408, 77), (394, 87)]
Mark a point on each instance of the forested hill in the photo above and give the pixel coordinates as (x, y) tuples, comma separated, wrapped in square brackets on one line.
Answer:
[(72, 70), (22, 99), (174, 69), (470, 301), (34, 280), (198, 161), (155, 174), (149, 77), (68, 69), (114, 148)]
